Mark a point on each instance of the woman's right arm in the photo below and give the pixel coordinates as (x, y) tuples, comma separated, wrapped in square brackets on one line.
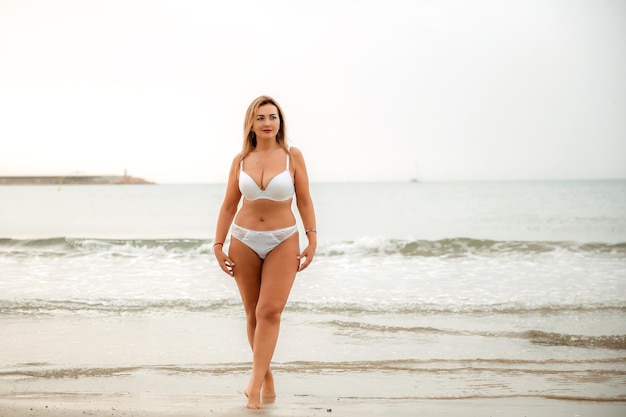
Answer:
[(226, 216)]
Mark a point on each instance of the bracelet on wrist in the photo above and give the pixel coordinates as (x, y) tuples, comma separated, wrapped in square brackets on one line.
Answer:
[(306, 232), (218, 243)]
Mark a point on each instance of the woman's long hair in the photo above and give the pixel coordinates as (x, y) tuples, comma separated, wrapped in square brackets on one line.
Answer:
[(249, 137)]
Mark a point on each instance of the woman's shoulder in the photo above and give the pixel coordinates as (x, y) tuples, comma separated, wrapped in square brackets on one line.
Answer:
[(297, 157), (295, 152), (236, 161)]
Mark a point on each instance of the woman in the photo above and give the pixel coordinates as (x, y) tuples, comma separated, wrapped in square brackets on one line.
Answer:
[(264, 254)]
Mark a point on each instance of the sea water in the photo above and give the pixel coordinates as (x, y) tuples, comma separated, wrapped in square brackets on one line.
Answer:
[(465, 290)]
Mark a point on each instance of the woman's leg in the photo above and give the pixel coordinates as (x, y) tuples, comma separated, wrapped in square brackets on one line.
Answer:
[(247, 273), (277, 278)]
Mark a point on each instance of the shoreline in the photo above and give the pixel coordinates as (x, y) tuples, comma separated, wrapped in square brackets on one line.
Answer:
[(192, 405), (147, 393)]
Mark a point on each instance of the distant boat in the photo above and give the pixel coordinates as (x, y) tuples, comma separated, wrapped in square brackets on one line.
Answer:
[(417, 175)]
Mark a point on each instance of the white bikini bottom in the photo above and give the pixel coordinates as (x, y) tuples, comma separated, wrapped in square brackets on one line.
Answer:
[(262, 241)]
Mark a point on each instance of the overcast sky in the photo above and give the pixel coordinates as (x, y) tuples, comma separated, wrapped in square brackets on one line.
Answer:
[(371, 90)]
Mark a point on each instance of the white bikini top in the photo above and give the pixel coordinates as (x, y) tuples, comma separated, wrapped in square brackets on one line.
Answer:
[(280, 188)]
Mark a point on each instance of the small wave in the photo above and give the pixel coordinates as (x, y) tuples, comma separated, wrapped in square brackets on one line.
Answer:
[(434, 365), (156, 306), (617, 342), (368, 330), (356, 326), (455, 247), (338, 307), (117, 306)]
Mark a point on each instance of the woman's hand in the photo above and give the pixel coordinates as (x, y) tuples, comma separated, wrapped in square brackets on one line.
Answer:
[(306, 256), (223, 260)]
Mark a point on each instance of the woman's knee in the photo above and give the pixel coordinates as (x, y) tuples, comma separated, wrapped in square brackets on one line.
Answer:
[(268, 313)]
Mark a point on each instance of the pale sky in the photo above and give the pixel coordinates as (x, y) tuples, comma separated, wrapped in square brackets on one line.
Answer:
[(372, 90)]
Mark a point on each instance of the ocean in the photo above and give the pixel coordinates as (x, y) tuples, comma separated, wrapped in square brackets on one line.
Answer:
[(421, 290)]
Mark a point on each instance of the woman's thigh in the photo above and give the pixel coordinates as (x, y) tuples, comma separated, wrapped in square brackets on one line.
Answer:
[(247, 272), (279, 273)]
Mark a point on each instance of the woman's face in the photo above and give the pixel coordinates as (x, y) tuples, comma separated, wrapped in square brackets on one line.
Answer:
[(267, 122)]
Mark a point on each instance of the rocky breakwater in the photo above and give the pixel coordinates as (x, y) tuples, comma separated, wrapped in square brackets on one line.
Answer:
[(74, 180)]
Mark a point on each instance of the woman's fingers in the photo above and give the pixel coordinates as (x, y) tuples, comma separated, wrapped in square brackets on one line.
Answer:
[(305, 260), (228, 267), (225, 263)]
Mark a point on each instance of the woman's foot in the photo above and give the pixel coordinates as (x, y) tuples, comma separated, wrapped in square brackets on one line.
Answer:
[(254, 401), (268, 390)]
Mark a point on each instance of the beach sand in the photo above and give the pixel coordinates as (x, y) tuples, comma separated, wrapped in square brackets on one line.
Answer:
[(156, 396)]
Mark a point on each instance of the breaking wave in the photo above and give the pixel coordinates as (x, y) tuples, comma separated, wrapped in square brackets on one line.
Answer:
[(454, 247)]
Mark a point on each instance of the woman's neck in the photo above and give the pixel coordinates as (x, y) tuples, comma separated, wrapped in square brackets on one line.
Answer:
[(266, 146)]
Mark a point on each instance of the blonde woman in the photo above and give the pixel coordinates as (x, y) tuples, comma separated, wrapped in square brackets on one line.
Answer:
[(264, 254)]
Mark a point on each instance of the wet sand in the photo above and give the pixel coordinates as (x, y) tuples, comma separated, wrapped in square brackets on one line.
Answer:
[(299, 396), (63, 405)]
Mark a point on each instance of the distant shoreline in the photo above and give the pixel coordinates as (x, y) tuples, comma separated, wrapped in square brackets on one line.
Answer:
[(74, 180)]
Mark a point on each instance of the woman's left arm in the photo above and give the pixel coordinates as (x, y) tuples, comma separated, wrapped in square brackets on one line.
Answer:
[(305, 207)]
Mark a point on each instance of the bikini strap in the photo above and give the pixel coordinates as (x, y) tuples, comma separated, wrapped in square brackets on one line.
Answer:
[(287, 168)]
